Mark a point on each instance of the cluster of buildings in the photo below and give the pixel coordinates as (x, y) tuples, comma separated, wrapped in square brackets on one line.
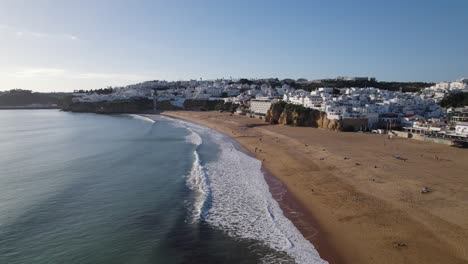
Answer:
[(459, 118), (181, 90), (418, 113), (438, 91), (379, 108), (454, 128)]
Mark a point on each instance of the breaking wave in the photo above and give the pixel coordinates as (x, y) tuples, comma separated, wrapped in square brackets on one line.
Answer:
[(141, 117), (196, 180), (240, 202)]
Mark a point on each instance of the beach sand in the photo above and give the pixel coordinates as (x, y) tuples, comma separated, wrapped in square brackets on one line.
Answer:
[(365, 202)]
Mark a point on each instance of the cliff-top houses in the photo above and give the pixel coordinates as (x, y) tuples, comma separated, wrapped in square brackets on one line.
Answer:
[(381, 108)]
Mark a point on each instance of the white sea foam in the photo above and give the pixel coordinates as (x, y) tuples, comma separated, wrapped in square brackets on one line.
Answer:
[(193, 138), (240, 201), (196, 180), (141, 117)]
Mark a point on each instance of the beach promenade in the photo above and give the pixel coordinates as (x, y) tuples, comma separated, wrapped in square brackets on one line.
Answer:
[(364, 190)]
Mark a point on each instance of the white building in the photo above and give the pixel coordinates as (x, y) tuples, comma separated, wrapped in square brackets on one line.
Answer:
[(231, 91), (410, 119), (312, 101), (372, 119), (334, 115), (261, 106), (461, 129)]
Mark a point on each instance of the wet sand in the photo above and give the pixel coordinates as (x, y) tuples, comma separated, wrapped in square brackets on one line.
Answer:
[(363, 191), (302, 218), (298, 214)]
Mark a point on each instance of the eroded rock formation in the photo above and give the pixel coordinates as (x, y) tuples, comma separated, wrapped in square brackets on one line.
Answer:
[(297, 115)]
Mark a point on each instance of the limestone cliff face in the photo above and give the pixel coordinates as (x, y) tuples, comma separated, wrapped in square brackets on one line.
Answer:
[(324, 122), (274, 113), (295, 115)]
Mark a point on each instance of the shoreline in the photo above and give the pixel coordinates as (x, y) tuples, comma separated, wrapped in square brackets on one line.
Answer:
[(366, 202), (301, 218), (294, 210), (291, 207)]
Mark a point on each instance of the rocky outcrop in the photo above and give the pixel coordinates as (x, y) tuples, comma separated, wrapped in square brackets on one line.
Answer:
[(324, 122), (274, 113), (297, 115)]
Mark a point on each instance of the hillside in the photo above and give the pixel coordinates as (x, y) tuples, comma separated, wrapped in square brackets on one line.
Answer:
[(390, 86), (27, 98), (455, 100)]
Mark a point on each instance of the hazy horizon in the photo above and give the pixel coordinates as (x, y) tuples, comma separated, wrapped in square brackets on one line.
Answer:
[(234, 78), (68, 45)]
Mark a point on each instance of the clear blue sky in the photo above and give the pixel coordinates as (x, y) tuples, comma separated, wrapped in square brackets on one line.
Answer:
[(64, 45)]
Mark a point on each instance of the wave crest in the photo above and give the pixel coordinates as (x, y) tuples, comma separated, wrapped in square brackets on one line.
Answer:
[(141, 117), (240, 202), (196, 180), (194, 138)]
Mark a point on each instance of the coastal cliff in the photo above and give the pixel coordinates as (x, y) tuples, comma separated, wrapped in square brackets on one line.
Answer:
[(209, 105), (111, 107), (297, 115), (166, 105), (143, 105), (26, 99)]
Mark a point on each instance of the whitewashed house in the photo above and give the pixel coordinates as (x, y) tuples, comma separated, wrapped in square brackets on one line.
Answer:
[(261, 106), (461, 129)]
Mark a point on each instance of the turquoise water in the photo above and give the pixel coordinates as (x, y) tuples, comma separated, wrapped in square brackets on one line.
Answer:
[(86, 188)]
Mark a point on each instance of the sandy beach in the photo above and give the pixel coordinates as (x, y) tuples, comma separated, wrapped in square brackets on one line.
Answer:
[(363, 190)]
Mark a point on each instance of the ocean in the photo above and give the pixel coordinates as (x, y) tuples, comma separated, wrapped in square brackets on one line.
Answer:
[(87, 188)]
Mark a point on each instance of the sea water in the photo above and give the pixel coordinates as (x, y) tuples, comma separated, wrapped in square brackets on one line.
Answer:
[(87, 188)]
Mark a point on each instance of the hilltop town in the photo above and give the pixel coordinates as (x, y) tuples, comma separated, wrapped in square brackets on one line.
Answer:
[(414, 110)]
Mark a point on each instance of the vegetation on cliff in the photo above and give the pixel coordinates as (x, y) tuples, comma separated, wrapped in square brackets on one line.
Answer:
[(166, 105), (107, 90), (310, 86), (455, 100), (209, 105), (390, 86), (143, 105), (298, 115)]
